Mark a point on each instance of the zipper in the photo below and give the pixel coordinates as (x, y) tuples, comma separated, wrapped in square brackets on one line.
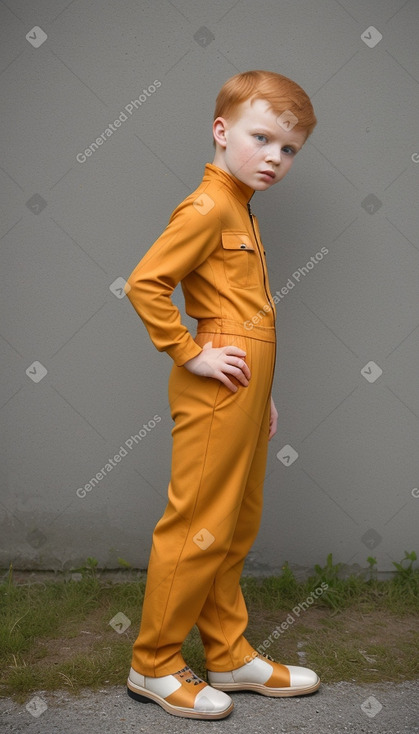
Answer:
[(268, 295)]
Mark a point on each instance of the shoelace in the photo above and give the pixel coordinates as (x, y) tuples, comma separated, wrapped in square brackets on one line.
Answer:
[(192, 677)]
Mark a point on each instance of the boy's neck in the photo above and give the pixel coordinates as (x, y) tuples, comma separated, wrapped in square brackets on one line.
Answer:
[(220, 162)]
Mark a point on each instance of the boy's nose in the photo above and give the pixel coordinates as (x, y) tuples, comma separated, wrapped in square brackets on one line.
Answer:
[(274, 156)]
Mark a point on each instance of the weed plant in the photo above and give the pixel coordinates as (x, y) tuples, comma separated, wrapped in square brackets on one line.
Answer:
[(56, 634)]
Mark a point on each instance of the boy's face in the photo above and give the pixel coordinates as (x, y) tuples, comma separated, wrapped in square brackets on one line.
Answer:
[(254, 147)]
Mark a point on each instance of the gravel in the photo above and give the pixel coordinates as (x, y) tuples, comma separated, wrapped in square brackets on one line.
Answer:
[(382, 708)]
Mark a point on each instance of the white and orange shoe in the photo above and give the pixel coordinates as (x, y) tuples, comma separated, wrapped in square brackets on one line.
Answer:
[(263, 675), (180, 694)]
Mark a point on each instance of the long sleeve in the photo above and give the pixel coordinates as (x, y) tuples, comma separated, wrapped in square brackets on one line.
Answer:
[(187, 241)]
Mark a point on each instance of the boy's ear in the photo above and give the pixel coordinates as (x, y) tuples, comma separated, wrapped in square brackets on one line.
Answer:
[(219, 128)]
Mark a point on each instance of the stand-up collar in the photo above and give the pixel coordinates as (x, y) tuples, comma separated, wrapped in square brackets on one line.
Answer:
[(240, 190)]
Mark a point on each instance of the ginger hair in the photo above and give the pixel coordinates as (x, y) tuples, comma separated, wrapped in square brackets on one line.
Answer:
[(279, 91)]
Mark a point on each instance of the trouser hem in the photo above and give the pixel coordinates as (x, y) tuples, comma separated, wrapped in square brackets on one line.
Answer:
[(158, 671)]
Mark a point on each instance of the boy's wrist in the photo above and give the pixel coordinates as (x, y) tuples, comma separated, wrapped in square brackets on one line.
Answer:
[(181, 353)]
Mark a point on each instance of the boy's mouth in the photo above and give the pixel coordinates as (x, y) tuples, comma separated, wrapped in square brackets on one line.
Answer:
[(271, 174)]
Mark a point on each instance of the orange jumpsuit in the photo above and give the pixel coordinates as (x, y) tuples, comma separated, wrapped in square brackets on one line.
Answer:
[(220, 439)]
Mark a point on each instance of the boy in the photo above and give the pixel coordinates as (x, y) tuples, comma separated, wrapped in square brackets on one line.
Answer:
[(221, 405)]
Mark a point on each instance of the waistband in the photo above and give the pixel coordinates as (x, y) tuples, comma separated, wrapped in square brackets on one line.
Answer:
[(227, 326)]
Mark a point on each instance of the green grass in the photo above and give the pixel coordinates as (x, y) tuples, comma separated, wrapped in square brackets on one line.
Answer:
[(56, 634), (398, 595)]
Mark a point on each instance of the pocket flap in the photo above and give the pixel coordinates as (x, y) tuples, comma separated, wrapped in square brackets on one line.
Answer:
[(236, 241)]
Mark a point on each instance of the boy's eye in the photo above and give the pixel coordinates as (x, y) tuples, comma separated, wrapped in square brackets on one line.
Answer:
[(261, 138), (289, 150)]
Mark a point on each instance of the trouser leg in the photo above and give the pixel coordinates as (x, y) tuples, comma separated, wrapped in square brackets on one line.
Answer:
[(215, 437), (223, 619)]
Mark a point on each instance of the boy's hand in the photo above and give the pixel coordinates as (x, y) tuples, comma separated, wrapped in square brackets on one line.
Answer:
[(273, 421), (220, 362)]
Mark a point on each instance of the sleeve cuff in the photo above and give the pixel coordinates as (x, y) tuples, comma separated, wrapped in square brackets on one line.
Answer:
[(181, 354)]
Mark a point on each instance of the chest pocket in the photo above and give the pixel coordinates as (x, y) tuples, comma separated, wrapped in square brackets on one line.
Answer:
[(240, 260)]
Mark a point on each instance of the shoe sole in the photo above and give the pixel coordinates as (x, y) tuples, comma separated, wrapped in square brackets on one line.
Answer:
[(260, 688), (144, 696)]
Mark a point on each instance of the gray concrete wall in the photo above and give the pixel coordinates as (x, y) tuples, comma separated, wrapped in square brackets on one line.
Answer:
[(80, 376)]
